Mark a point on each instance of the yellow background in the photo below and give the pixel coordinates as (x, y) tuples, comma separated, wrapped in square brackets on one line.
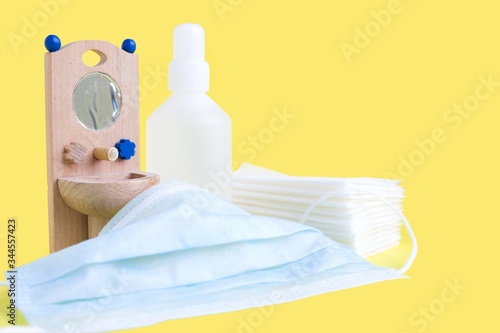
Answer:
[(357, 118)]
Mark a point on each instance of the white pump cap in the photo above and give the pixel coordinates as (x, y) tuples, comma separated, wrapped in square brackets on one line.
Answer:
[(188, 71)]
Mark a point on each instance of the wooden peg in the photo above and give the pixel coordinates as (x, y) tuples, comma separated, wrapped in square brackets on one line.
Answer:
[(106, 154)]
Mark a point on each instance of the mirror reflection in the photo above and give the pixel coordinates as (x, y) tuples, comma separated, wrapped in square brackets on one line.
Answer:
[(97, 101)]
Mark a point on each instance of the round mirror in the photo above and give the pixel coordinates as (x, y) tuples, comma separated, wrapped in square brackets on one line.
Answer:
[(97, 101)]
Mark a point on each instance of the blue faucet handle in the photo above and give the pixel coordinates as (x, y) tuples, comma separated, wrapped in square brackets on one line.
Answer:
[(126, 149)]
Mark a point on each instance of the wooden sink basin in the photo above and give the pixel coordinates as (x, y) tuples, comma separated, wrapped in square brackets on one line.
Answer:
[(104, 195)]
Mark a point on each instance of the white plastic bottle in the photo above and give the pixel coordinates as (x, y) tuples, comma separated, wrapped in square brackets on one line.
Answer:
[(188, 137)]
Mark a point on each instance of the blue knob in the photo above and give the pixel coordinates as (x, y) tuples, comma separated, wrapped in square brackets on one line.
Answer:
[(126, 149), (52, 43), (129, 45)]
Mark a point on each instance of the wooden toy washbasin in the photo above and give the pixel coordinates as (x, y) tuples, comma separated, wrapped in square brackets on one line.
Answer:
[(101, 197)]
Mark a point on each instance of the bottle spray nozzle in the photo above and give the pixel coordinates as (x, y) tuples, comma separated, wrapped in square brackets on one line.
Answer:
[(189, 72), (189, 42)]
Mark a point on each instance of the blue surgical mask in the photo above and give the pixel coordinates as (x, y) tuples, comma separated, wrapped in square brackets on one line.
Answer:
[(177, 251)]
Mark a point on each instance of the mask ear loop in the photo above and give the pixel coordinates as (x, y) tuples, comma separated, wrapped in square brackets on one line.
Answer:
[(406, 223)]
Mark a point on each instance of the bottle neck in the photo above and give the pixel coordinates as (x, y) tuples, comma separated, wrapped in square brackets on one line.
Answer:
[(189, 76)]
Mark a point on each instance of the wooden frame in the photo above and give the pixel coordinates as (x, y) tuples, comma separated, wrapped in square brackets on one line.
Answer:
[(69, 144)]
